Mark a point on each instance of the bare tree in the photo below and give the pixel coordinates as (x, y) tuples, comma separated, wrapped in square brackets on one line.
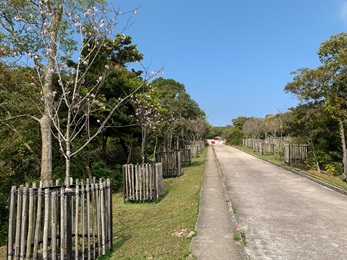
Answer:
[(45, 33)]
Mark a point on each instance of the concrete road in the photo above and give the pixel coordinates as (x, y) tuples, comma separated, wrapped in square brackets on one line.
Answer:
[(283, 215)]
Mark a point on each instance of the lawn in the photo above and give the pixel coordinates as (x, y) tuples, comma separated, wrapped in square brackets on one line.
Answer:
[(160, 230)]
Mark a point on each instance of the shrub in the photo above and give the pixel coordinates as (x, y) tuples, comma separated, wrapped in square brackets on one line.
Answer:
[(334, 168)]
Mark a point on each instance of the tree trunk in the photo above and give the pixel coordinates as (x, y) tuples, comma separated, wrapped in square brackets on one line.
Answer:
[(130, 151), (143, 144), (104, 138), (45, 121), (46, 140), (314, 154), (344, 150), (67, 173)]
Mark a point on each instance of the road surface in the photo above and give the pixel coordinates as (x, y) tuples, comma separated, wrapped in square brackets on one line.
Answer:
[(283, 215)]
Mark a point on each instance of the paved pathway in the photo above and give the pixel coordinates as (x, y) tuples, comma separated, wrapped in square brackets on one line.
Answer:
[(216, 224), (283, 215)]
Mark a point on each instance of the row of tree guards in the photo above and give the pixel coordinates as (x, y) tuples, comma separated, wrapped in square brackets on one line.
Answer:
[(75, 221), (293, 153), (55, 222), (144, 182)]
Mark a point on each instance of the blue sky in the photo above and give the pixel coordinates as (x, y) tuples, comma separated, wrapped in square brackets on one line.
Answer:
[(234, 57)]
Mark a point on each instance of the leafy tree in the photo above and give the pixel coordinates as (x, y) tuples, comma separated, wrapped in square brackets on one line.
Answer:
[(327, 83), (252, 128), (148, 114), (234, 133), (41, 32), (183, 119), (312, 124)]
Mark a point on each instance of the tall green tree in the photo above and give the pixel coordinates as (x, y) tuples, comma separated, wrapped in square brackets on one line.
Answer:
[(327, 83), (183, 120), (234, 133)]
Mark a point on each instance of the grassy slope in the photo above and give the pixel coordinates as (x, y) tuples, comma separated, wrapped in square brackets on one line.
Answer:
[(159, 231)]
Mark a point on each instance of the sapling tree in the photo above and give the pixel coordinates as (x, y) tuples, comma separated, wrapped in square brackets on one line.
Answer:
[(48, 35), (148, 115)]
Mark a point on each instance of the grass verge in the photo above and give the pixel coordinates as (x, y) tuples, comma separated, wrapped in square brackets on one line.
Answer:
[(162, 230), (333, 180)]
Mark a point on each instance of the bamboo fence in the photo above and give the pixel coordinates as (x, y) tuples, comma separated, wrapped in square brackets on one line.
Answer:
[(267, 149), (185, 157), (194, 150), (171, 162), (55, 222), (295, 153), (142, 182)]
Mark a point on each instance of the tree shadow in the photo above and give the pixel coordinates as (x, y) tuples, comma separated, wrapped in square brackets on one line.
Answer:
[(197, 163), (120, 240)]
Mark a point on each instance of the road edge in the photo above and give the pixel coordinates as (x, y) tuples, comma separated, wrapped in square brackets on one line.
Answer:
[(323, 183), (228, 200)]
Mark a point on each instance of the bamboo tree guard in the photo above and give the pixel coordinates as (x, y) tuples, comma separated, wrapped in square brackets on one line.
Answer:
[(171, 162), (295, 153), (267, 149), (185, 157), (59, 223), (142, 182)]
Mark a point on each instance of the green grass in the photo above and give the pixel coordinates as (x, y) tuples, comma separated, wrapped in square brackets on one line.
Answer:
[(333, 180), (160, 230)]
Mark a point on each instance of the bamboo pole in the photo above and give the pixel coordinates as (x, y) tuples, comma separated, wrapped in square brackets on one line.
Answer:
[(76, 219), (146, 175), (140, 182), (18, 222), (24, 222), (136, 184), (131, 181), (69, 220), (38, 223), (102, 209), (30, 222), (46, 226), (125, 183), (11, 224), (54, 225), (93, 216), (62, 223), (109, 214), (83, 218), (97, 191), (88, 218)]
